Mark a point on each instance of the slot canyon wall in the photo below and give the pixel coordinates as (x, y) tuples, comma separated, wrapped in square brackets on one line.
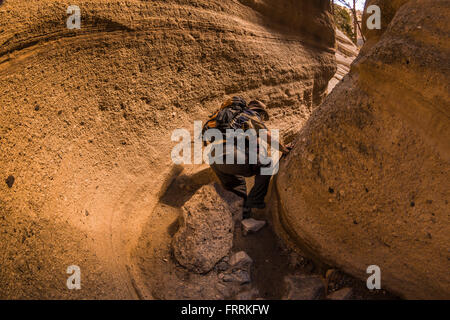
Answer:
[(87, 116), (368, 180)]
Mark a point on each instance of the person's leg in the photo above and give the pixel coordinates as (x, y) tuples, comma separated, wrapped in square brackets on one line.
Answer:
[(256, 196), (231, 182)]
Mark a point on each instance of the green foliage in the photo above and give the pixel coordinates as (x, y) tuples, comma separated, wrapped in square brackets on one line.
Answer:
[(343, 21)]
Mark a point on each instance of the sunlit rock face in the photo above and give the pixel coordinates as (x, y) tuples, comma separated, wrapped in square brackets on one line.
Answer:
[(87, 115), (368, 180), (346, 53)]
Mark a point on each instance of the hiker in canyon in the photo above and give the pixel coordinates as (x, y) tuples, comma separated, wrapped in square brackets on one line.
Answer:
[(239, 118)]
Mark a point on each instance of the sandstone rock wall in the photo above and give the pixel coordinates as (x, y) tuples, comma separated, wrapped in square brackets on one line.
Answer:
[(368, 180), (87, 115), (346, 52)]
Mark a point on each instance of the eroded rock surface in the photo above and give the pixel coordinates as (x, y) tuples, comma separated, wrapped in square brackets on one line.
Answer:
[(87, 116), (368, 182)]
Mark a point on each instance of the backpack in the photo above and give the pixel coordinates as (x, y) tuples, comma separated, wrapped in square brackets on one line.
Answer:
[(223, 118)]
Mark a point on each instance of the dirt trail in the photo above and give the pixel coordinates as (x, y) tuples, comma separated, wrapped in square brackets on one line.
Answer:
[(161, 277)]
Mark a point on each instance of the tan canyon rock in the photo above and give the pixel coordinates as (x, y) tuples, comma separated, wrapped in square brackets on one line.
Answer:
[(87, 116), (368, 182)]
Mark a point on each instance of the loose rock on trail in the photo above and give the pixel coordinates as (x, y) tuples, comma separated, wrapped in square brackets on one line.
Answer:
[(206, 232)]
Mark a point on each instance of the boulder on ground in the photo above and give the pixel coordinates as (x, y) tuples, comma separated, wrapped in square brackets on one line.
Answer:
[(206, 230)]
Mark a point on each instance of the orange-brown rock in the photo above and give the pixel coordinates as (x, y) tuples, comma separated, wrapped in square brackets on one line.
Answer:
[(87, 116), (368, 180), (346, 52)]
